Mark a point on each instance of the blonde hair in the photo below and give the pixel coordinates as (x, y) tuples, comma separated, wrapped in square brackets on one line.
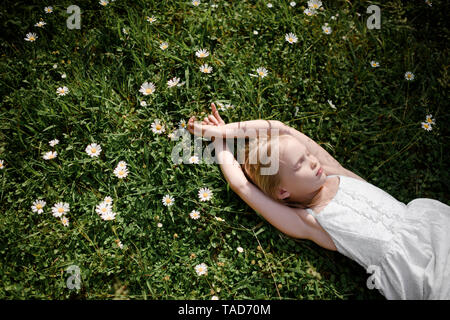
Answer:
[(267, 183)]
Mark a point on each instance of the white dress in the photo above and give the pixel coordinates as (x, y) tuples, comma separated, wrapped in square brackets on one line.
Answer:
[(406, 248)]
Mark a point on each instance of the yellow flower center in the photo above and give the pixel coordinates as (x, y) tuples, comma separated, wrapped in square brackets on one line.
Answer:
[(104, 209), (158, 127), (121, 172), (290, 40), (60, 210), (205, 194), (168, 200), (39, 206), (93, 150), (148, 90)]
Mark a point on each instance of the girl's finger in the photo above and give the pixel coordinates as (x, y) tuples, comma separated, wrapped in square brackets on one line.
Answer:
[(213, 119), (216, 113)]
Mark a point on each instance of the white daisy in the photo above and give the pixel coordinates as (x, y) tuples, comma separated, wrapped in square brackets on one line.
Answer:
[(164, 45), (147, 88), (196, 3), (104, 2), (40, 24), (93, 150), (103, 208), (204, 194), (122, 164), (219, 219), (269, 5), (409, 76), (426, 126), (255, 32), (119, 244), (54, 142), (214, 298), (108, 200), (374, 64), (171, 136), (55, 66), (291, 37), (292, 4), (205, 68), (168, 200), (331, 104), (38, 206), (202, 53), (31, 36), (143, 103), (2, 164), (62, 91), (108, 216), (430, 119), (309, 12), (194, 214), (63, 76), (151, 19), (326, 29), (194, 159), (124, 31), (159, 225), (60, 208), (120, 172), (50, 155), (201, 269), (48, 9), (157, 127), (314, 4), (174, 82), (182, 124), (262, 72), (240, 249), (65, 221)]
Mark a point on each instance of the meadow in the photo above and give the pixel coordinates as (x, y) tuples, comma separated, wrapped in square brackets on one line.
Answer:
[(87, 119)]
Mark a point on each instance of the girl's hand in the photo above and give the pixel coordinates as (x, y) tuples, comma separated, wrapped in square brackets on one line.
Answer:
[(207, 124)]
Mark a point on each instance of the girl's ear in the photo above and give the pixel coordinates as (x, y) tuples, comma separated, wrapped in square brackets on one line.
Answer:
[(282, 193)]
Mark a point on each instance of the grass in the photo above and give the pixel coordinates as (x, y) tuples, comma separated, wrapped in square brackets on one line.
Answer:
[(375, 131)]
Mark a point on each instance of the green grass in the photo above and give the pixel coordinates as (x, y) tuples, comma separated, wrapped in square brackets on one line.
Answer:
[(374, 131)]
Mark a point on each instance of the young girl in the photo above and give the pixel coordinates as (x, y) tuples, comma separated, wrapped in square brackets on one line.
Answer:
[(406, 247)]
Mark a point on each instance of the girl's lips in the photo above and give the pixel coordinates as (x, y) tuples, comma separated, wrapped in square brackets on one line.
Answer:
[(319, 172)]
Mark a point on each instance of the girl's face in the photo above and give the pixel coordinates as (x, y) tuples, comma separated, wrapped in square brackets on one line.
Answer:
[(298, 169)]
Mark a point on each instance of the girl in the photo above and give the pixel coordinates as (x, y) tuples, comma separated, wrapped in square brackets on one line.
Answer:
[(407, 247)]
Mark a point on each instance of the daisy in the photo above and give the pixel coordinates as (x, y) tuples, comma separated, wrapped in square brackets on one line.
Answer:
[(182, 124), (147, 88), (65, 221), (120, 172), (205, 68), (164, 45), (430, 120), (174, 82), (159, 225), (55, 66), (63, 76), (326, 29), (60, 209), (122, 164), (157, 127), (240, 249), (269, 5), (143, 103), (255, 32), (40, 24), (262, 72), (194, 159), (93, 150), (202, 53), (54, 142), (219, 219), (426, 126), (108, 200), (331, 104), (309, 12), (48, 9), (168, 200), (119, 243), (38, 205), (109, 216), (428, 2), (2, 165), (314, 4), (103, 2), (409, 76), (194, 214), (62, 91), (204, 194), (291, 37), (195, 3), (374, 64), (124, 31), (171, 136), (201, 269), (103, 208), (292, 4), (50, 155), (151, 19), (214, 298), (31, 36)]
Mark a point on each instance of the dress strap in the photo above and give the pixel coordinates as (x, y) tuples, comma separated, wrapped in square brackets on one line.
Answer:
[(311, 212), (332, 175)]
